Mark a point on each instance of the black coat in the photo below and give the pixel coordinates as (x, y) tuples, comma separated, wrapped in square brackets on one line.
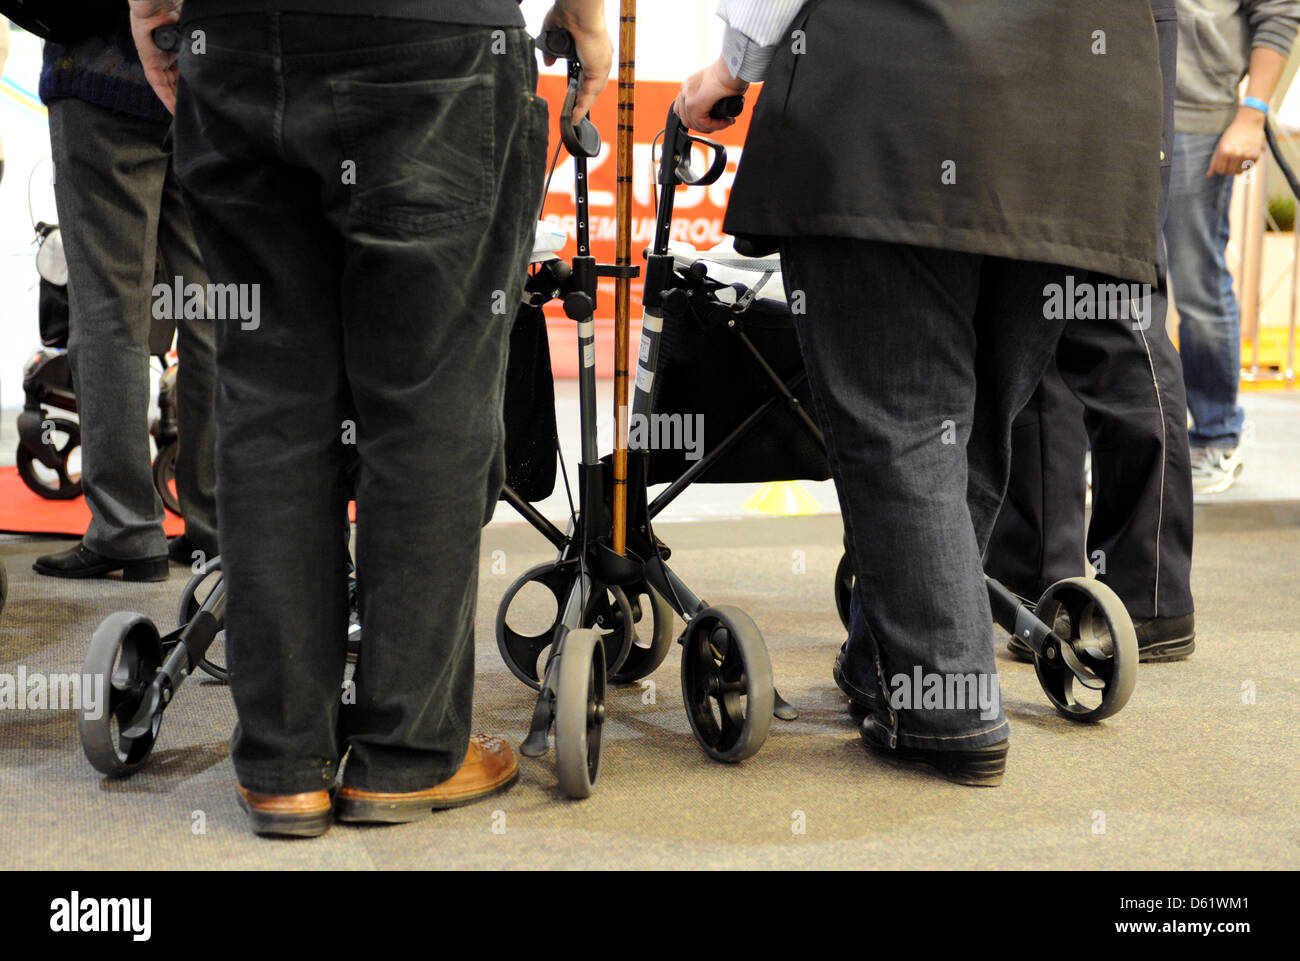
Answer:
[(987, 126)]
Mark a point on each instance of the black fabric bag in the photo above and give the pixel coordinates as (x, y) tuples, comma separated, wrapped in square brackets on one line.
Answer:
[(707, 372), (64, 21), (529, 408), (52, 268), (53, 314)]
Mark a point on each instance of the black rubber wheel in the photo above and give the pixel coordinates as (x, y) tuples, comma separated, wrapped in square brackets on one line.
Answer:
[(579, 711), (58, 484), (522, 646), (1098, 633), (649, 647), (844, 588), (193, 594), (4, 585), (727, 683), (126, 653), (164, 477)]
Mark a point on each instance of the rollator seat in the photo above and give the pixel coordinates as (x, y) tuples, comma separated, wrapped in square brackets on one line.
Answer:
[(724, 265)]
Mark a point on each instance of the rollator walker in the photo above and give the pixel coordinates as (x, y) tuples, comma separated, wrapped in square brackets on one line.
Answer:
[(601, 594)]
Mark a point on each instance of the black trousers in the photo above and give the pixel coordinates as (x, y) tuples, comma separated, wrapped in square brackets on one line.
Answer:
[(1120, 387), (1122, 391), (373, 184)]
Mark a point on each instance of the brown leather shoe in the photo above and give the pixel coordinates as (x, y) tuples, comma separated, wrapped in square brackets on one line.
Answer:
[(304, 815), (490, 766)]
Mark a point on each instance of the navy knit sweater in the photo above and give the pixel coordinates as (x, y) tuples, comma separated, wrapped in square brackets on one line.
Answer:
[(104, 70)]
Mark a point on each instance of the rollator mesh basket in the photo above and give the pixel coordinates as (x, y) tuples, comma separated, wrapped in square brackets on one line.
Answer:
[(708, 371)]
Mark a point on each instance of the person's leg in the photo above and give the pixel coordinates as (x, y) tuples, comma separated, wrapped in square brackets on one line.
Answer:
[(1127, 375), (1017, 341), (281, 403), (1209, 332), (890, 344), (196, 473), (431, 256), (1038, 538), (109, 170)]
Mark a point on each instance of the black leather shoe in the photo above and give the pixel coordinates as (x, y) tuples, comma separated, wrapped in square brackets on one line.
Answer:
[(1159, 639), (973, 767), (82, 562), (1165, 638), (858, 707)]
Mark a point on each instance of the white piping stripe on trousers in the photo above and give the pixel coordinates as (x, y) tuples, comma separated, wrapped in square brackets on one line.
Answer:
[(1164, 461)]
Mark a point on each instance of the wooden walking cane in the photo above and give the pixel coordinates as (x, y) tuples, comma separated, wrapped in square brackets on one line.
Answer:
[(623, 260)]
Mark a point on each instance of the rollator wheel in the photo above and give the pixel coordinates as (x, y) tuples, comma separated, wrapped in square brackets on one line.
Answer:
[(127, 653), (646, 652), (579, 711), (527, 630), (530, 613), (164, 477), (1091, 619), (727, 683), (844, 588), (63, 482), (195, 592), (4, 585)]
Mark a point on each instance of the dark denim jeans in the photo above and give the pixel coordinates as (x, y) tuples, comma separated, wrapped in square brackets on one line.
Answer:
[(1209, 331), (919, 359), (378, 180)]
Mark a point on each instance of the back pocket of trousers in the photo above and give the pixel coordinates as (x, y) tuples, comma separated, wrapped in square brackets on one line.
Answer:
[(421, 151)]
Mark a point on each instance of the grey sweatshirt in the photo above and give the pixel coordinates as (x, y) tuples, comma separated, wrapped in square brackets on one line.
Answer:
[(1215, 38)]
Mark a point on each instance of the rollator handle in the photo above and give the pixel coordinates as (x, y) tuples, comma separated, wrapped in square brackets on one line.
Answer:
[(584, 139), (557, 43), (678, 142), (167, 38), (728, 107)]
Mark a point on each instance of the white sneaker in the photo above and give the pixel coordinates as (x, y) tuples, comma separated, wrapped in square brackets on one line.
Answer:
[(1214, 470)]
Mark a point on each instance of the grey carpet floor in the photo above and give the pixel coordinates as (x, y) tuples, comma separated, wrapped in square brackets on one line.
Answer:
[(1189, 775)]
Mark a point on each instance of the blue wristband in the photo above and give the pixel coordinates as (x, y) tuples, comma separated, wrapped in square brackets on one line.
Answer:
[(1255, 102)]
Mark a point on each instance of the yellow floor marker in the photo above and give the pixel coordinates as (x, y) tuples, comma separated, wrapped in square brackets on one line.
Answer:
[(783, 499)]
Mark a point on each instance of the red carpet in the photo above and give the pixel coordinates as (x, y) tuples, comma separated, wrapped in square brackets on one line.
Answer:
[(22, 512)]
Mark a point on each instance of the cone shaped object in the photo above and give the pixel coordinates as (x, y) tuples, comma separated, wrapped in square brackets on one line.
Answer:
[(783, 499)]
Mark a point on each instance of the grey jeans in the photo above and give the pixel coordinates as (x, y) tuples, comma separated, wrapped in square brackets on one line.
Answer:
[(120, 211)]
